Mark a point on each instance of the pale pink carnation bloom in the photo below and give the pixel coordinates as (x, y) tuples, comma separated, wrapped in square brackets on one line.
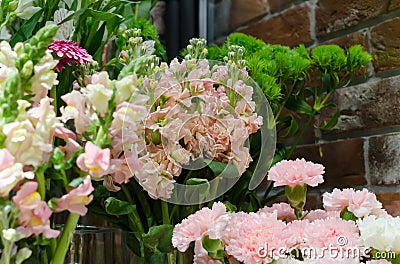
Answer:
[(331, 232), (295, 233), (321, 214), (248, 236), (76, 199), (296, 172), (95, 160), (34, 216), (205, 222), (283, 210), (360, 203), (67, 51)]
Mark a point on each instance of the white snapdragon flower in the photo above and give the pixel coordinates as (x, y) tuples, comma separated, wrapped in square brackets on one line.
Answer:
[(11, 173), (99, 92), (24, 144), (44, 77), (26, 9)]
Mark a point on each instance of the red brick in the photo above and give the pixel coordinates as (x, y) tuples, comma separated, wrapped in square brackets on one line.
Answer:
[(343, 161), (278, 5), (333, 16), (243, 11), (384, 162), (385, 39), (390, 201), (367, 106), (346, 41), (290, 28)]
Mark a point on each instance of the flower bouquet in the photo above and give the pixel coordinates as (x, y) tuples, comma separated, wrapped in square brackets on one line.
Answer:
[(101, 125), (352, 228)]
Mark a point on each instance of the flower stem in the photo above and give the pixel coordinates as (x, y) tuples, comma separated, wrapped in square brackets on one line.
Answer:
[(305, 127), (165, 213), (41, 183), (65, 239)]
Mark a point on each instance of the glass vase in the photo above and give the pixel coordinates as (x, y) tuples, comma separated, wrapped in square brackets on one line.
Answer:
[(100, 245)]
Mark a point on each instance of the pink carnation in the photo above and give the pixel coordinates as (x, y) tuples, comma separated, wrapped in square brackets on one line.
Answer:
[(77, 198), (34, 216), (360, 203), (331, 232), (284, 211), (206, 221), (252, 238), (69, 52), (296, 172), (321, 214)]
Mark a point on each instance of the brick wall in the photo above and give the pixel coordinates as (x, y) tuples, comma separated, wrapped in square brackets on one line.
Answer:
[(363, 150)]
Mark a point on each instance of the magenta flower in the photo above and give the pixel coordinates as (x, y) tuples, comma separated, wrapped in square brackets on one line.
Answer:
[(67, 52), (77, 198), (296, 172)]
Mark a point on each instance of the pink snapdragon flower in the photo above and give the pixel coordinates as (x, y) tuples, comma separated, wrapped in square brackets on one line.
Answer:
[(360, 203), (69, 52), (95, 160), (77, 198), (34, 216), (206, 221), (296, 172)]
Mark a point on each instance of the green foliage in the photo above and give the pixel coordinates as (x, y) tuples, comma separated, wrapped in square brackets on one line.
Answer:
[(298, 84), (214, 247), (329, 58), (149, 32)]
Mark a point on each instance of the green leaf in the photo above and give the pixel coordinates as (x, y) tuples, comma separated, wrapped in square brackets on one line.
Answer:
[(298, 106), (196, 181), (230, 207), (26, 30), (345, 214), (290, 123), (214, 247), (158, 239), (100, 191), (76, 182), (223, 169), (334, 120), (144, 9), (118, 207)]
